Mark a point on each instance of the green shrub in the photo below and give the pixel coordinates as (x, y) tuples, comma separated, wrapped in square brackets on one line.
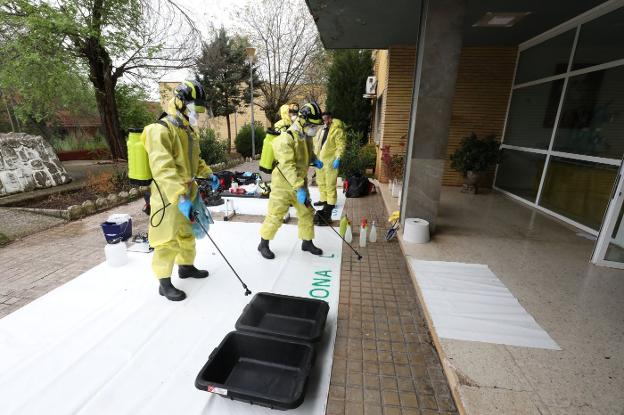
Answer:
[(243, 139), (368, 154), (132, 107), (475, 154), (75, 142), (351, 162), (212, 150)]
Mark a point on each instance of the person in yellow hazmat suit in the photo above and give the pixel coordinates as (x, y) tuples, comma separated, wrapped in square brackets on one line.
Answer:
[(172, 147), (289, 180), (288, 114), (329, 145)]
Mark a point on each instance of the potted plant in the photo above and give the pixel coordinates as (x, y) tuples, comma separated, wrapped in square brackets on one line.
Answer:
[(474, 156), (394, 169)]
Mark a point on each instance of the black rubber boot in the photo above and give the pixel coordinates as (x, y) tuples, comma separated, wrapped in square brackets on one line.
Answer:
[(265, 250), (189, 271), (319, 203), (169, 291), (324, 213), (309, 247)]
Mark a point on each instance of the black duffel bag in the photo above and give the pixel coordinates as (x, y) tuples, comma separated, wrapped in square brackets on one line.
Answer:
[(358, 186)]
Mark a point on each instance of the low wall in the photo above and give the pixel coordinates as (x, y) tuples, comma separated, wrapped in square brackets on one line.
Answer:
[(28, 162)]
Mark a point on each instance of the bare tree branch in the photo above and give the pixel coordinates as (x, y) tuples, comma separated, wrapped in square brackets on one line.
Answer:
[(287, 43)]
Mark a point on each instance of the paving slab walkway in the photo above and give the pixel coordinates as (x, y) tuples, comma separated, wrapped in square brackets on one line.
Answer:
[(384, 361)]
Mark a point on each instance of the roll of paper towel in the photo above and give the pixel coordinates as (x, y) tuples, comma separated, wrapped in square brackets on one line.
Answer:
[(416, 231)]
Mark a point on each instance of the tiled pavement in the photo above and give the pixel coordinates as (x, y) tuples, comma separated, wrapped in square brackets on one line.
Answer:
[(36, 264), (384, 361)]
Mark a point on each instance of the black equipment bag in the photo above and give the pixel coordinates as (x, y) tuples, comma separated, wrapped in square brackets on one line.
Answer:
[(359, 186)]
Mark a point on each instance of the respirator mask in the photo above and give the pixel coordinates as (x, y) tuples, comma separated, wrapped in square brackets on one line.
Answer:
[(193, 114), (310, 130)]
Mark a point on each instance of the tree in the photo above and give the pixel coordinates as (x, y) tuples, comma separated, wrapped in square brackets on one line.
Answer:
[(132, 105), (345, 86), (112, 38), (287, 42), (41, 82), (222, 70), (314, 80)]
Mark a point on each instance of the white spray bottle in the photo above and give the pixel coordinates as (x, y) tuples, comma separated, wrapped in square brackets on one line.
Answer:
[(363, 233), (348, 234), (373, 233)]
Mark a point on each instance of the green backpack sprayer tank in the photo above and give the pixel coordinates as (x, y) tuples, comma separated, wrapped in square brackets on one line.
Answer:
[(267, 158), (139, 172)]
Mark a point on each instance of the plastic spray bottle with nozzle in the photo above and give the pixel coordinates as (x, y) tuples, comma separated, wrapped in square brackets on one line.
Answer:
[(348, 233), (363, 229), (372, 236), (344, 222)]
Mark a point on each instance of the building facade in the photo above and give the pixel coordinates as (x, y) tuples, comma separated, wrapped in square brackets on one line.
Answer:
[(546, 78)]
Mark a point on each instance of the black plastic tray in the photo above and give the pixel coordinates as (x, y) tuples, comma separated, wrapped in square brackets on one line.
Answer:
[(288, 317), (257, 369)]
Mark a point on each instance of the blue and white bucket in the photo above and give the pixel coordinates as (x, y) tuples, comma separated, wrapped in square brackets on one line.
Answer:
[(117, 226)]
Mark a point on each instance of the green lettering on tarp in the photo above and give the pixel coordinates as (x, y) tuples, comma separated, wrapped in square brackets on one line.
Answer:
[(319, 293), (321, 282)]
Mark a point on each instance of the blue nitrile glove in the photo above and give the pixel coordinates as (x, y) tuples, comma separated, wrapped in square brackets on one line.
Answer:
[(317, 163), (302, 195), (185, 207), (336, 164), (215, 182)]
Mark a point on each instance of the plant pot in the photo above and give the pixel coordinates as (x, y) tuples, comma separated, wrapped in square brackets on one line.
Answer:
[(471, 182)]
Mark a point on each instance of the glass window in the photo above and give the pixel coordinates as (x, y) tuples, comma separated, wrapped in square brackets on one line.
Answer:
[(578, 190), (592, 117), (532, 115), (546, 59), (600, 40), (520, 173)]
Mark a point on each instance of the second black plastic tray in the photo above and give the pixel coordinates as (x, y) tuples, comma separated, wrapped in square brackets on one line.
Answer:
[(284, 316), (258, 369)]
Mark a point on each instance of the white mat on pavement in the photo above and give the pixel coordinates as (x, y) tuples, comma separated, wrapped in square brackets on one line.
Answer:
[(468, 302), (258, 206), (107, 343)]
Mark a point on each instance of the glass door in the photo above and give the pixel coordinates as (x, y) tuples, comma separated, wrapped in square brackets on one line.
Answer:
[(609, 249)]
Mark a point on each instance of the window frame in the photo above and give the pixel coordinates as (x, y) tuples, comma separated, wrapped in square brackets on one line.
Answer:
[(576, 24)]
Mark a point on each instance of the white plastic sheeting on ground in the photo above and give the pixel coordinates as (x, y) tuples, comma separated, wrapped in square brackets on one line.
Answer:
[(468, 302), (259, 206), (107, 343)]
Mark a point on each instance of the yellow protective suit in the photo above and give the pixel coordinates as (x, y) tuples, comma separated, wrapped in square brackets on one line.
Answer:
[(285, 121), (332, 149), (174, 160), (293, 157)]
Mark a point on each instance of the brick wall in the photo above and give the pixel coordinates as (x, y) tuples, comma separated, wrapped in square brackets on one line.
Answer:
[(480, 104), (395, 70)]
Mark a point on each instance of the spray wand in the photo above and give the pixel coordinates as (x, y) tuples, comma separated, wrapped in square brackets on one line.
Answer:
[(247, 291)]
